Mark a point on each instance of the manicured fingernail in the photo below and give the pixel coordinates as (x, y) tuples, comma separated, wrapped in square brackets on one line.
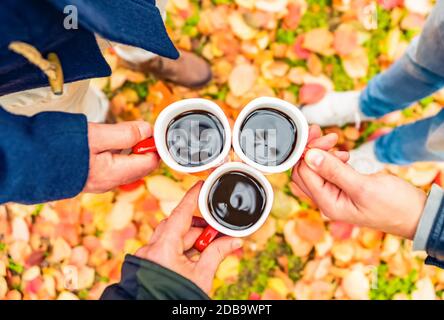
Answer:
[(238, 243), (314, 158)]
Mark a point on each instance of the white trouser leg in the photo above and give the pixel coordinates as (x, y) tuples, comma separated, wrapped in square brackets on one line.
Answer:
[(77, 97)]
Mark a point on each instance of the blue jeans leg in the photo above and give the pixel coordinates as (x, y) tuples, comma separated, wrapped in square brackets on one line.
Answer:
[(413, 142), (402, 84)]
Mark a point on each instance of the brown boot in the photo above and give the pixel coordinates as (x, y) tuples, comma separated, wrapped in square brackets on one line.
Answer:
[(189, 70)]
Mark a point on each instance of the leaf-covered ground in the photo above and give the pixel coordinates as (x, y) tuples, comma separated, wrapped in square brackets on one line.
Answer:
[(293, 49)]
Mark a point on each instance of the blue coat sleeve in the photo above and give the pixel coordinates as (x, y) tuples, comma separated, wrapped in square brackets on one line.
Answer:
[(42, 158)]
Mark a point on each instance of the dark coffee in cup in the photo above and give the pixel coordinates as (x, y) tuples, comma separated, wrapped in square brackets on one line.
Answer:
[(268, 137), (236, 200), (195, 138)]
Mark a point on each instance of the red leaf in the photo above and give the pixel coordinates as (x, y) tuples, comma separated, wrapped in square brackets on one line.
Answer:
[(299, 50), (132, 186), (254, 296), (390, 4), (35, 258), (341, 230), (311, 93), (293, 17), (91, 243), (34, 285), (439, 180)]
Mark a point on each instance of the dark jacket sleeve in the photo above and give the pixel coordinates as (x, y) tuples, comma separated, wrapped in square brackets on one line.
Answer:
[(145, 280), (134, 22), (435, 242), (42, 158)]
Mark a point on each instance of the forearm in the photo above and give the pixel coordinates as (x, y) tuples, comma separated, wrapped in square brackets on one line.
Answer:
[(42, 158), (419, 73), (145, 280)]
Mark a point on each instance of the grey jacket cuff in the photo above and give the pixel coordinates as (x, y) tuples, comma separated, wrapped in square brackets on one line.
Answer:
[(425, 225)]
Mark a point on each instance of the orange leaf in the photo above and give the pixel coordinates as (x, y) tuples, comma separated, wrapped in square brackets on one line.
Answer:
[(356, 64), (160, 96), (413, 21), (370, 238), (345, 39), (314, 65), (293, 17), (318, 40), (310, 228)]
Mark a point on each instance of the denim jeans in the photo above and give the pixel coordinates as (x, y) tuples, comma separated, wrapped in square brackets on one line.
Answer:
[(419, 73)]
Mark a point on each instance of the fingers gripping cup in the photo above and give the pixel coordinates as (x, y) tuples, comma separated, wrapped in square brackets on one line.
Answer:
[(235, 200), (194, 135), (270, 135)]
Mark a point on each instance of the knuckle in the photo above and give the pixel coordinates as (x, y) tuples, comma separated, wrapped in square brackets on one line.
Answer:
[(330, 214), (134, 132), (220, 255), (217, 253), (168, 237), (294, 172), (361, 192), (333, 173), (161, 225), (333, 211)]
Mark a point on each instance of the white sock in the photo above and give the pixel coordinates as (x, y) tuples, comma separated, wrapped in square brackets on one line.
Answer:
[(336, 108)]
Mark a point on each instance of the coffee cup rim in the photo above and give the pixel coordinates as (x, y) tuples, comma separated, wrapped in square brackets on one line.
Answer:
[(177, 108), (228, 167), (288, 109)]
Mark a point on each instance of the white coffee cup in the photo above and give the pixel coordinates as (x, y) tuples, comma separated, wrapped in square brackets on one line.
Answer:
[(289, 110), (174, 110), (215, 227)]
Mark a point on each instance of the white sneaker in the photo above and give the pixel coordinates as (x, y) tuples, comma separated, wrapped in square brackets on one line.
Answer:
[(364, 159), (336, 108)]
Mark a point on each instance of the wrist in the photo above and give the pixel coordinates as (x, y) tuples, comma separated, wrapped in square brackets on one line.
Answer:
[(414, 217)]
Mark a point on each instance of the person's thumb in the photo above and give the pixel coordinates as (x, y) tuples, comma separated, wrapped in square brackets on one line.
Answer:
[(216, 252), (119, 136), (333, 170)]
